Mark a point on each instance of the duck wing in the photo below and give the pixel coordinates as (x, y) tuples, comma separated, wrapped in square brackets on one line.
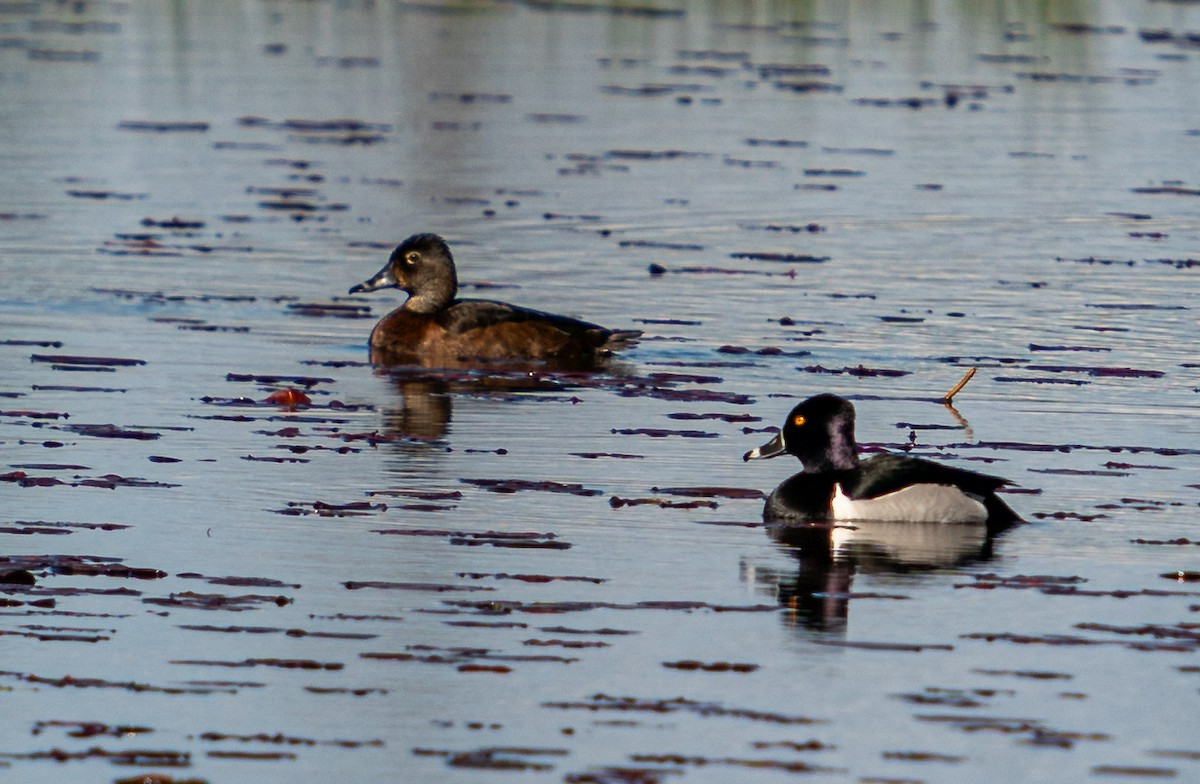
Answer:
[(465, 315), (887, 473)]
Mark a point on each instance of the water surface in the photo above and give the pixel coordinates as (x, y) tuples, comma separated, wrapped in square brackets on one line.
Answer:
[(921, 189)]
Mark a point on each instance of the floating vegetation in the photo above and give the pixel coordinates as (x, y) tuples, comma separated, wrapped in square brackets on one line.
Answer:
[(209, 477)]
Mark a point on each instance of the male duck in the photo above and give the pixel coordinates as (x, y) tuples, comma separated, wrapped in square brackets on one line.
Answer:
[(432, 327), (836, 485)]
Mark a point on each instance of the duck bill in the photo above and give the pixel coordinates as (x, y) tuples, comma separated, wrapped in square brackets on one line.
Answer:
[(773, 448), (382, 280)]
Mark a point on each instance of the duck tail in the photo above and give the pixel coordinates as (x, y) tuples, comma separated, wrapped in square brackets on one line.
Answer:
[(1001, 516)]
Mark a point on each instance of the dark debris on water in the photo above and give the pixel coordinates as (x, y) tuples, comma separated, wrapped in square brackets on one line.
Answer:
[(503, 539)]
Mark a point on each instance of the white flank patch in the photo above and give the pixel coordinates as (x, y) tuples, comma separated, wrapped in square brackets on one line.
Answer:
[(915, 503)]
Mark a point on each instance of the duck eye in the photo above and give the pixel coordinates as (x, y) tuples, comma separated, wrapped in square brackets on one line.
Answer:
[(411, 259), (799, 420)]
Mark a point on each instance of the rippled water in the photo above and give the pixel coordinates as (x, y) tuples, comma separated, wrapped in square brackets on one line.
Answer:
[(923, 188)]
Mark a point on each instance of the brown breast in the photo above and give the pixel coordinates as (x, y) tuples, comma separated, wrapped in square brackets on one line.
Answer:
[(400, 336)]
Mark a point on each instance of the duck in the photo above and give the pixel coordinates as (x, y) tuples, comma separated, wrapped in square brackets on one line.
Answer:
[(837, 485), (435, 328)]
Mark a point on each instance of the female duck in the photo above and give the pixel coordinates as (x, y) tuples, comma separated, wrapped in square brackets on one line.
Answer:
[(432, 327), (836, 485)]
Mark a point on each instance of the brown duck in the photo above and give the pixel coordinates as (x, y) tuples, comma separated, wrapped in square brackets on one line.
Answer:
[(434, 328)]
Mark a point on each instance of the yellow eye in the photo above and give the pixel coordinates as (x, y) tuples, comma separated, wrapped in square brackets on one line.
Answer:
[(798, 420), (411, 258)]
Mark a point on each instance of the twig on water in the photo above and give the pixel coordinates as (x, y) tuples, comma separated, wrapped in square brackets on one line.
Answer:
[(948, 398)]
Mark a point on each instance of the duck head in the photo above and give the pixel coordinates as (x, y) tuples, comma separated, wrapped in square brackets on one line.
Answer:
[(423, 267), (819, 431)]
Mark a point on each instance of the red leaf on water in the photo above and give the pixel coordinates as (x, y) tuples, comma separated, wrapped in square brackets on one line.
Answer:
[(288, 397)]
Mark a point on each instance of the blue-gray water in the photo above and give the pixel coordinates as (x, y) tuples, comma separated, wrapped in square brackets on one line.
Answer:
[(976, 176)]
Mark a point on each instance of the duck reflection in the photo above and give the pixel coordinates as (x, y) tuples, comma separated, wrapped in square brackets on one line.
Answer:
[(425, 394), (830, 555), (423, 411)]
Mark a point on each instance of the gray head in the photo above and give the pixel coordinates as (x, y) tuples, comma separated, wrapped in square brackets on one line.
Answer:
[(423, 267)]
